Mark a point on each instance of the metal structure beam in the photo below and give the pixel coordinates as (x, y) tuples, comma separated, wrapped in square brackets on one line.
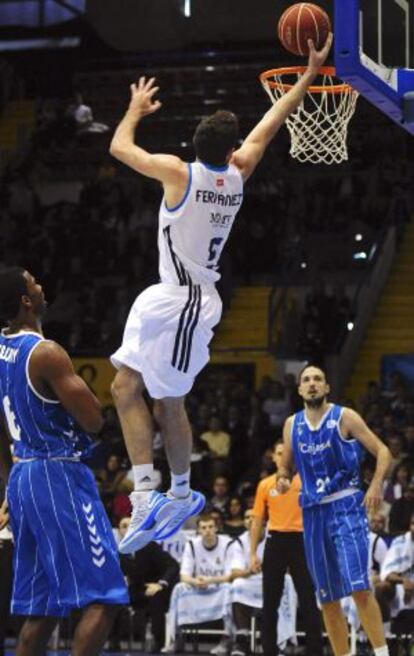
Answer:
[(389, 95)]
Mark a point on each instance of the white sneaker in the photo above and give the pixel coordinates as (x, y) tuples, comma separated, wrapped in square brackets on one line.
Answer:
[(149, 515), (177, 513), (222, 648)]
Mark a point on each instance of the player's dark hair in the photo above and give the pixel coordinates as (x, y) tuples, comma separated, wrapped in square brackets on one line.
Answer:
[(215, 136), (13, 285), (308, 366)]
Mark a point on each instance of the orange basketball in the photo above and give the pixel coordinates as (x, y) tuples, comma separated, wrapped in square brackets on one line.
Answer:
[(301, 22)]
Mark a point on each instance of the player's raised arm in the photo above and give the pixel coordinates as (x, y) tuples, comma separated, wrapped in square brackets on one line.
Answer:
[(285, 471), (251, 152), (352, 425), (51, 368), (168, 169)]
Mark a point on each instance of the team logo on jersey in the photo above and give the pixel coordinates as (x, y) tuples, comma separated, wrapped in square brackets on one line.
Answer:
[(97, 550), (331, 423), (313, 449), (219, 182)]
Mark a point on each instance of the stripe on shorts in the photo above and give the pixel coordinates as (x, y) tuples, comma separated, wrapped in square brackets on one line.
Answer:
[(186, 325), (182, 275)]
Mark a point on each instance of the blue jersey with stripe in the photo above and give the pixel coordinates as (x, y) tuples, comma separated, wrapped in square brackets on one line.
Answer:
[(326, 462), (40, 427)]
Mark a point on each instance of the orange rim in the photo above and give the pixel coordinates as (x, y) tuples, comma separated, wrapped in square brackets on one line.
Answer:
[(325, 70)]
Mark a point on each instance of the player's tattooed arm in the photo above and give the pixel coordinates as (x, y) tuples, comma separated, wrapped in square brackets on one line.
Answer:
[(52, 374), (353, 426), (285, 471)]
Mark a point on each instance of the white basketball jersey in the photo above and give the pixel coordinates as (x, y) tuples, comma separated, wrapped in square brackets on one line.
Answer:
[(241, 551), (191, 236), (197, 560)]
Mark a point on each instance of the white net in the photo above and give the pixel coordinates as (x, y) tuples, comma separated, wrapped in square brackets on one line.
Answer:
[(319, 126)]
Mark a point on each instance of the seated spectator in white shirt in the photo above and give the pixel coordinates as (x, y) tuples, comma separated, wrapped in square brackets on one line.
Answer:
[(204, 592), (395, 591)]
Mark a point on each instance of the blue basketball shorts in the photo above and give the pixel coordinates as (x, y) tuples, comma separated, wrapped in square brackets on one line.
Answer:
[(65, 554), (337, 546)]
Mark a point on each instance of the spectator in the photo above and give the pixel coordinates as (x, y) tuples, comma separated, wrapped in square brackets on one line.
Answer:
[(398, 483), (402, 510), (220, 497), (218, 442), (203, 594), (234, 523), (395, 591), (276, 407), (151, 574), (246, 587)]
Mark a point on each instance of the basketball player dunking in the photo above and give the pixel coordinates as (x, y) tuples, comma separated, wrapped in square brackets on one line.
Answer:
[(326, 443), (169, 327), (65, 556)]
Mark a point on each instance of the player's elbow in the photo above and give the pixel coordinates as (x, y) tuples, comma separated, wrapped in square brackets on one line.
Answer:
[(94, 422), (115, 149)]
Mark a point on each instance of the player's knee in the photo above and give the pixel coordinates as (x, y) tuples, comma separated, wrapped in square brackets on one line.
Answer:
[(331, 609), (170, 406), (362, 598), (125, 387)]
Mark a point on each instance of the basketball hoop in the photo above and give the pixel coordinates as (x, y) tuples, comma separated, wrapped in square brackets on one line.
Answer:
[(319, 126)]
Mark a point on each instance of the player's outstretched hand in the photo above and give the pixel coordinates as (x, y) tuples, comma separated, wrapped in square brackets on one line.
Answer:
[(317, 58), (373, 498), (142, 97)]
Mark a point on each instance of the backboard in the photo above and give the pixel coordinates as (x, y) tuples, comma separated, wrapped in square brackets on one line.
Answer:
[(374, 53)]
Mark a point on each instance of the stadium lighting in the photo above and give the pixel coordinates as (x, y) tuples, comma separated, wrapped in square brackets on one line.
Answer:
[(358, 237), (350, 325), (187, 8), (303, 265), (361, 255)]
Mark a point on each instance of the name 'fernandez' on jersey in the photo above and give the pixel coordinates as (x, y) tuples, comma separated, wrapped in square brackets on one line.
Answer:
[(327, 463), (192, 235), (39, 427)]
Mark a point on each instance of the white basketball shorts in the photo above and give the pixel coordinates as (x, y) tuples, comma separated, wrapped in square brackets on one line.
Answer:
[(167, 334)]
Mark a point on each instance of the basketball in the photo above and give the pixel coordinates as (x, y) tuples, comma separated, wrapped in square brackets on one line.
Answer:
[(301, 22)]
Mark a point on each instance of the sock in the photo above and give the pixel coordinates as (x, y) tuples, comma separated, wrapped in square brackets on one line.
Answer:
[(143, 477), (180, 484), (382, 651)]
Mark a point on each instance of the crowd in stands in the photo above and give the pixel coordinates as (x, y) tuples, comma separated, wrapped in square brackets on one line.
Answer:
[(95, 247), (96, 251), (235, 428)]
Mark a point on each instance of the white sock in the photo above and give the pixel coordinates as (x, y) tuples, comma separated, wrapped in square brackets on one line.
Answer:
[(180, 484), (143, 477), (382, 651)]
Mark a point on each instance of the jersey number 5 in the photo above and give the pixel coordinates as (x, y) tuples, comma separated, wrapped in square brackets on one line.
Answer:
[(212, 251), (13, 427)]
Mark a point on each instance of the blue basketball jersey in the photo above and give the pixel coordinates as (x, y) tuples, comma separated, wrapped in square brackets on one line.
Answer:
[(326, 462), (40, 427)]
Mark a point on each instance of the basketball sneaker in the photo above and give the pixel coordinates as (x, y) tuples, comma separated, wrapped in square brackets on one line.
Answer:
[(149, 514), (178, 511)]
